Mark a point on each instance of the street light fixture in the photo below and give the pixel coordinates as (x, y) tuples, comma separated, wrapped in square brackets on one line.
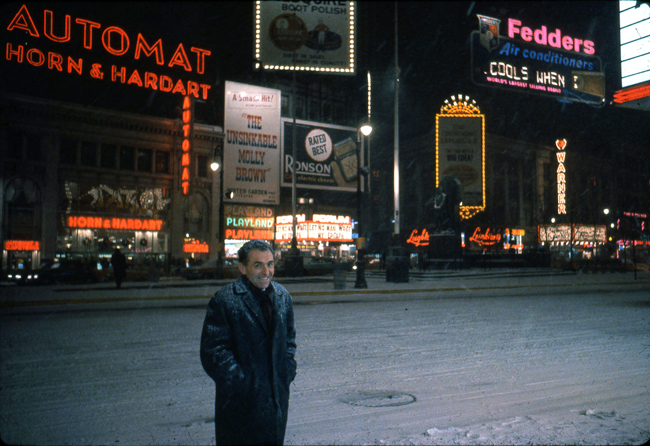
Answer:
[(365, 130), (215, 166)]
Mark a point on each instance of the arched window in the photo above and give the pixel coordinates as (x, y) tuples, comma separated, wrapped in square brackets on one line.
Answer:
[(23, 210)]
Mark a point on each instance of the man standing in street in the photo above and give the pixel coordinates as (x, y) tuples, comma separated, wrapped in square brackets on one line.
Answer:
[(248, 348)]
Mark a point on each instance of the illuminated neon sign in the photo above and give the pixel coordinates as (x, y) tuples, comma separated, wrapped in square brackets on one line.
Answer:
[(564, 67), (22, 245), (555, 39), (188, 134), (460, 150), (561, 176), (485, 238), (115, 42), (137, 224), (419, 239), (196, 247), (332, 228)]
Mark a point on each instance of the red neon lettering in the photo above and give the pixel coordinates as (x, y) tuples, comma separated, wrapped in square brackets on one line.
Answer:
[(121, 74), (186, 130), (123, 39), (200, 58), (186, 174), (186, 145), (22, 20), (185, 159), (193, 88), (54, 60), (187, 103), (88, 31), (40, 57), (48, 26), (150, 80), (205, 89), (419, 240), (186, 187), (166, 83), (141, 45), (22, 245), (74, 66), (179, 88), (18, 52), (180, 58), (135, 78)]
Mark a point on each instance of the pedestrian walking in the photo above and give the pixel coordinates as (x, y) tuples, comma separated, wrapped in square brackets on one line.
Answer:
[(118, 261), (248, 348)]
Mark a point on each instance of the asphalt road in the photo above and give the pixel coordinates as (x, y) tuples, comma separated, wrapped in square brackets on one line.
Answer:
[(474, 360)]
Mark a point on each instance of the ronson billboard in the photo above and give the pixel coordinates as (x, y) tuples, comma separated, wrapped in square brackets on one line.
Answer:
[(326, 156)]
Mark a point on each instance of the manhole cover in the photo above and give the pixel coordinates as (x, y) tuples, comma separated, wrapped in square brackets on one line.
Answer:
[(379, 399)]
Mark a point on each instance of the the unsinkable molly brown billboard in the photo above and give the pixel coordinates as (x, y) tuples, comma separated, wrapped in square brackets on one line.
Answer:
[(326, 156), (251, 159)]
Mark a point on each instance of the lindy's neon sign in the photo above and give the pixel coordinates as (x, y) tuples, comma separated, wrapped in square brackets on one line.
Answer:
[(137, 224), (485, 238), (554, 39), (117, 43), (419, 239), (561, 176)]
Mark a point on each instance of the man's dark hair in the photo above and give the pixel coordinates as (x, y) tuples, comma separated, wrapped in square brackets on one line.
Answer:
[(259, 245)]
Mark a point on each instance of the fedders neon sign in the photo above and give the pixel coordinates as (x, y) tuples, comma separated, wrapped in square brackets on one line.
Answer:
[(116, 42), (555, 38)]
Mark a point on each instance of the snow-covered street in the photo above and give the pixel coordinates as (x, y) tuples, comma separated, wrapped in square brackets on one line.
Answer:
[(468, 364)]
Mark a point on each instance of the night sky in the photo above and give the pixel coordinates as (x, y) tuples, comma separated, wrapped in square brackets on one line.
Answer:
[(434, 57)]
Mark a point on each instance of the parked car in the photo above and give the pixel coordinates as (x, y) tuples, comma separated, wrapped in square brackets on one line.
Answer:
[(62, 271), (18, 276), (209, 269)]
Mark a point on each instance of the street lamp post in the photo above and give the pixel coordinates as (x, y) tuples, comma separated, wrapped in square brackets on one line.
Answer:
[(215, 166), (365, 130)]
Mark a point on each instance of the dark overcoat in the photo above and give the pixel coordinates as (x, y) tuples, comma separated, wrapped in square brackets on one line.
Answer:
[(251, 365)]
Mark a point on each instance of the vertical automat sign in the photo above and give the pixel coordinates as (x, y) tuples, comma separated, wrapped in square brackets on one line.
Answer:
[(251, 148), (309, 36), (460, 151), (187, 127)]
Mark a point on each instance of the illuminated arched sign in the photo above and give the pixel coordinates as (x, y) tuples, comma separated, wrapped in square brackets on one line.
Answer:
[(460, 150)]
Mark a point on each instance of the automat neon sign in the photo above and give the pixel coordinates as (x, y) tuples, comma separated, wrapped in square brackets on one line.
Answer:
[(116, 42), (188, 134)]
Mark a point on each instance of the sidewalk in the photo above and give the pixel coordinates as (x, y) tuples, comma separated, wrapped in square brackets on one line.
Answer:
[(320, 289)]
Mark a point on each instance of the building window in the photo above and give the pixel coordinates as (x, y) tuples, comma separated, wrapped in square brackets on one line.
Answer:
[(34, 148), (88, 153), (127, 158), (15, 144), (145, 160), (162, 162), (108, 156), (68, 151), (285, 105), (202, 166)]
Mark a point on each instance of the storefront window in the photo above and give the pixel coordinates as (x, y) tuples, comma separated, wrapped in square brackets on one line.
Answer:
[(145, 160), (127, 158)]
